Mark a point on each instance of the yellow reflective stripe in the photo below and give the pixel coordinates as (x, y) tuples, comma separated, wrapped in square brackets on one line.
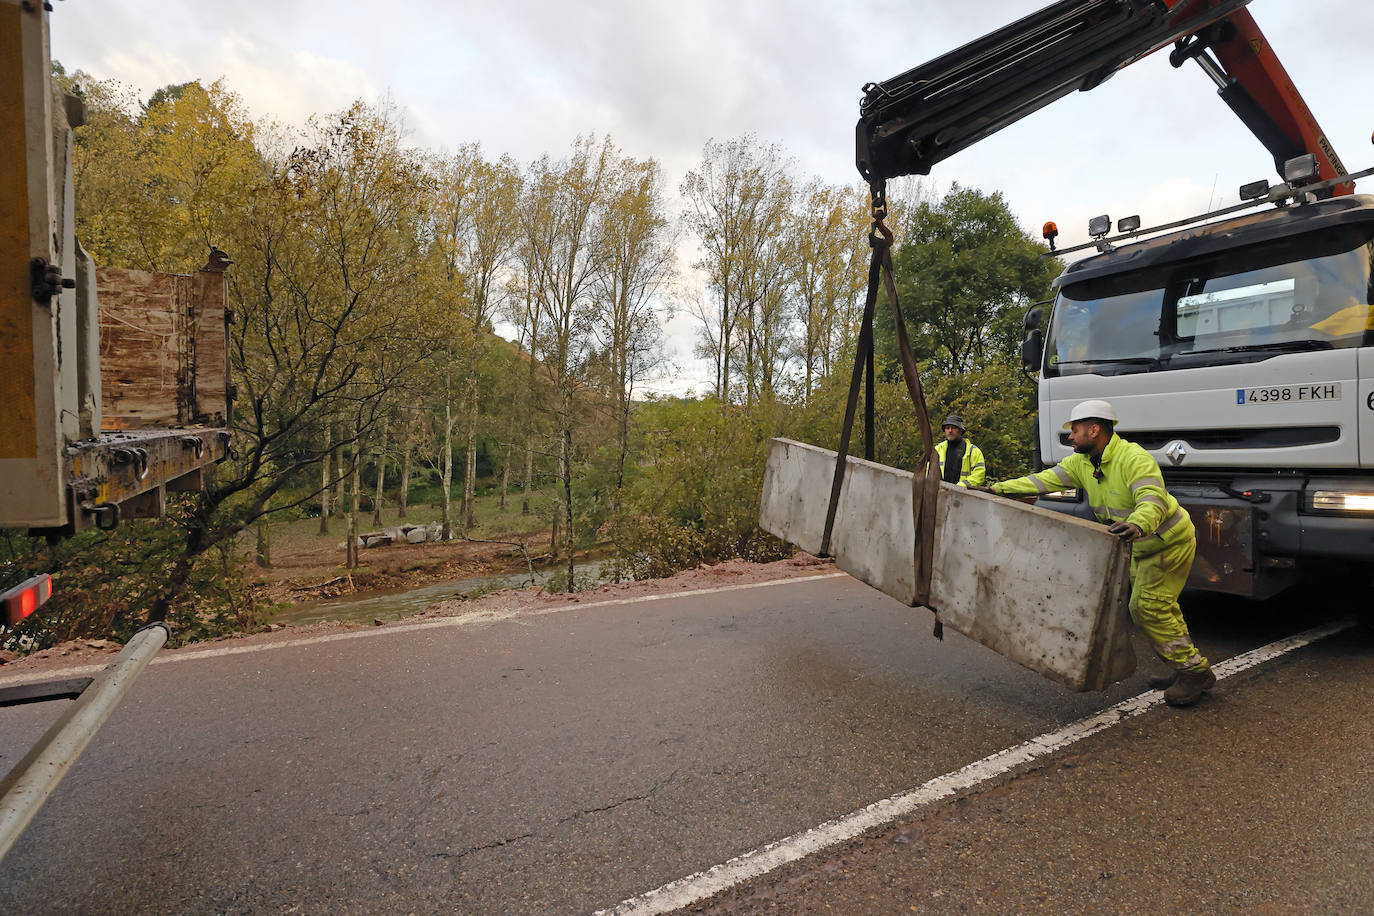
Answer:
[(1151, 498), (1063, 475), (1172, 521), (1119, 514), (1039, 484), (981, 464), (1147, 482)]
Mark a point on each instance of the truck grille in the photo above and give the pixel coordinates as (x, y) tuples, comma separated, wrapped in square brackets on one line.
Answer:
[(1252, 437)]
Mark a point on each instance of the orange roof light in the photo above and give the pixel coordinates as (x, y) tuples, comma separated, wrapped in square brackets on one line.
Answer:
[(1050, 231)]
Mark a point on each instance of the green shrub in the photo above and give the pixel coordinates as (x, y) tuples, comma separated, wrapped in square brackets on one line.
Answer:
[(104, 584)]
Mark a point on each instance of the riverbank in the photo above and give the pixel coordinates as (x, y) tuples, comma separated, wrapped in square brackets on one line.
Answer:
[(383, 605), (316, 574), (308, 565)]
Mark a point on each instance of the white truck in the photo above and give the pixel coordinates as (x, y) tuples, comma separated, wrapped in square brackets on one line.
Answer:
[(1241, 354), (1239, 351)]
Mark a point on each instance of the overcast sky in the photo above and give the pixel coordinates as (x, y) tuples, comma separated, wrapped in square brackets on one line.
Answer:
[(524, 77)]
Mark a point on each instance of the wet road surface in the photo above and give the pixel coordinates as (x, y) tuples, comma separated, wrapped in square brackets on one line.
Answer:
[(1259, 801), (562, 763)]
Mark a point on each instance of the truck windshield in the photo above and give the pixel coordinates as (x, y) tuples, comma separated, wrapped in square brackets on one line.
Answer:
[(1245, 305)]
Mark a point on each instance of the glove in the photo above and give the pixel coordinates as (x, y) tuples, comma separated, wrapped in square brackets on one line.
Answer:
[(988, 490), (1126, 531)]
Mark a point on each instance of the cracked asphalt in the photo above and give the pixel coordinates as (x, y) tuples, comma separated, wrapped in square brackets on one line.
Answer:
[(562, 763)]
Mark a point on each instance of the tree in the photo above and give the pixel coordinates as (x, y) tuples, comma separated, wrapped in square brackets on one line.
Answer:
[(966, 273), (355, 230), (525, 311), (451, 217), (639, 260), (157, 186), (765, 322), (826, 233), (562, 211), (369, 276), (736, 199), (169, 93), (491, 242), (320, 228)]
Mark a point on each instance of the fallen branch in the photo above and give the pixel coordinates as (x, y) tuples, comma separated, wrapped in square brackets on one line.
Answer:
[(314, 588)]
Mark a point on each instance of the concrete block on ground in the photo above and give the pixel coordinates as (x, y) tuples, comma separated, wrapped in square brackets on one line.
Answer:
[(1042, 588)]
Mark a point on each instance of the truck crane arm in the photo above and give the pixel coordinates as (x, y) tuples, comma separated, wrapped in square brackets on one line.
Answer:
[(1253, 83), (910, 122)]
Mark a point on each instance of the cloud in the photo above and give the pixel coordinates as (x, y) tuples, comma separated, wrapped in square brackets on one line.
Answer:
[(274, 79), (527, 76), (289, 86)]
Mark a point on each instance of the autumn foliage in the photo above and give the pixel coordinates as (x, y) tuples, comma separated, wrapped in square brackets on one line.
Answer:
[(401, 311)]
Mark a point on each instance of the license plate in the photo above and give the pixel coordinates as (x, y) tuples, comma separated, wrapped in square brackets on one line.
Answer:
[(1289, 394)]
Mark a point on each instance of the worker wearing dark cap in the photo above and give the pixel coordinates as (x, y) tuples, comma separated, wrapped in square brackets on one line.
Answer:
[(961, 462)]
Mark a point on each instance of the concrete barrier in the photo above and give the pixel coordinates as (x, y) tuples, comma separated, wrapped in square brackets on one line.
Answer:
[(1042, 588)]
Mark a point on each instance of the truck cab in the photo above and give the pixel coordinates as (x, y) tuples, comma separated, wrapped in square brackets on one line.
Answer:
[(1240, 353)]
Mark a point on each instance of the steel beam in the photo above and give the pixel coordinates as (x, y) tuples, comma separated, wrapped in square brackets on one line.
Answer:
[(25, 788)]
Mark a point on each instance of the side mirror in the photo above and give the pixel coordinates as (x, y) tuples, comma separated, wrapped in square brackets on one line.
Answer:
[(1033, 350), (1032, 319)]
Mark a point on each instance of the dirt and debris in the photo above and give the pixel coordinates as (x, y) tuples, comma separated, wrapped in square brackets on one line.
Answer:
[(730, 572), (313, 573)]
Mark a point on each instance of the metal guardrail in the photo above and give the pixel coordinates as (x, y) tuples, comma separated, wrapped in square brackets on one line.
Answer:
[(26, 787)]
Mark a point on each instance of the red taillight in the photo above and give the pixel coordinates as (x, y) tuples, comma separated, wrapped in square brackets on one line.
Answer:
[(25, 598)]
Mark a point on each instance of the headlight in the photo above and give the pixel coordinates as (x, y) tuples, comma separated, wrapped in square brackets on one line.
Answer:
[(1341, 501)]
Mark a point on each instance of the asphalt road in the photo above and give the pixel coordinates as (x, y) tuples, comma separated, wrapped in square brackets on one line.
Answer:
[(563, 762)]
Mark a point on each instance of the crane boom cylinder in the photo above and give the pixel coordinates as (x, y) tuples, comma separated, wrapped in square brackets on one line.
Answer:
[(910, 122)]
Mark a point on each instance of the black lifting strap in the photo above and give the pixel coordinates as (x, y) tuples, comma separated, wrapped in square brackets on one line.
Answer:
[(925, 483)]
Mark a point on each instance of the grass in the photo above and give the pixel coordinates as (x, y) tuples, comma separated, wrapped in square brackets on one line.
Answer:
[(490, 521)]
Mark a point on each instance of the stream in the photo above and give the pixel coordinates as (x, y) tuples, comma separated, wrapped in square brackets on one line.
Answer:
[(394, 604)]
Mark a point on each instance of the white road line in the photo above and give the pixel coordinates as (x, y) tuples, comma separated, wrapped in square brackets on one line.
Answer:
[(462, 620), (697, 887)]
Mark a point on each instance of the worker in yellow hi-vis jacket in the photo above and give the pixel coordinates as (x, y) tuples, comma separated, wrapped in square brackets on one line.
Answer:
[(1126, 490), (961, 462)]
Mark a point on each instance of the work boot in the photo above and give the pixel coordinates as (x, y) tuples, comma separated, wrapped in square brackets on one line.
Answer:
[(1163, 681), (1189, 687)]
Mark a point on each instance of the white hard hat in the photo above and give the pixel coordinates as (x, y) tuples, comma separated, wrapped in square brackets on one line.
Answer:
[(1091, 410)]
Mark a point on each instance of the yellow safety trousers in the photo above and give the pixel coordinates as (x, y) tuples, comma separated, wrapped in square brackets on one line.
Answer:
[(1159, 570), (1128, 487)]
